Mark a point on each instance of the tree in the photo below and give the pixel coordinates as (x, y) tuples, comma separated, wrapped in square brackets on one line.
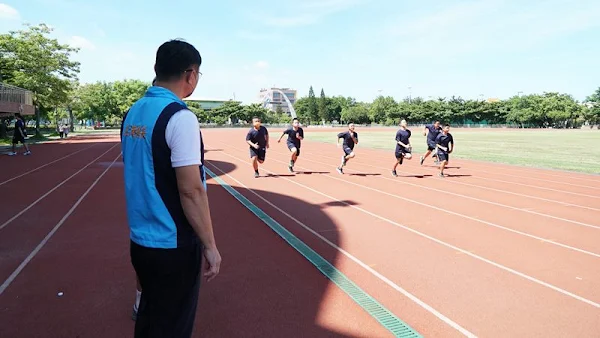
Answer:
[(323, 107), (34, 61), (313, 110)]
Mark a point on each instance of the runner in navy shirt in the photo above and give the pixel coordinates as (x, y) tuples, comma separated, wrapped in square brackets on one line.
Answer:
[(350, 138), (258, 139), (403, 146), (445, 145), (431, 131), (295, 136)]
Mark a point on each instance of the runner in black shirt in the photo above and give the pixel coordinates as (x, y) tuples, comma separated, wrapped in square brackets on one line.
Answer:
[(258, 139), (403, 146), (445, 145), (295, 136), (350, 139), (431, 131)]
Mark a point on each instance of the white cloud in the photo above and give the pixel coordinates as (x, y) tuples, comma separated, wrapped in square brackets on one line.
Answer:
[(261, 65), (81, 42), (8, 12)]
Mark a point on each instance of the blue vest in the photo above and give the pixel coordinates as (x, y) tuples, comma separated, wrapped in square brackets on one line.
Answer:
[(154, 212)]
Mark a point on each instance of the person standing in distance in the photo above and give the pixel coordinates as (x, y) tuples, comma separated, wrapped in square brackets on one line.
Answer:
[(350, 138), (431, 131), (19, 135), (295, 136), (258, 140), (403, 146), (445, 145), (165, 191)]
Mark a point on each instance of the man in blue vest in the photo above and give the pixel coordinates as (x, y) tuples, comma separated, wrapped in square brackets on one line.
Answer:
[(165, 190)]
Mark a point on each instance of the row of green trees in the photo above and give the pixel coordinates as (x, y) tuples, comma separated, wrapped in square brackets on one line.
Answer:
[(535, 110), (31, 59)]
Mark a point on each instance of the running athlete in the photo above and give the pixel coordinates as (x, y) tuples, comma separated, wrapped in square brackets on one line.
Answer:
[(445, 145), (431, 131), (19, 136), (403, 146), (295, 136), (350, 138), (258, 139)]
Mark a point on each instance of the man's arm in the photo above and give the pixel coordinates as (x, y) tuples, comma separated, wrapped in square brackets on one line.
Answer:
[(425, 130), (267, 137), (300, 134), (354, 137), (438, 143), (451, 144), (280, 137), (183, 138), (340, 136), (248, 140)]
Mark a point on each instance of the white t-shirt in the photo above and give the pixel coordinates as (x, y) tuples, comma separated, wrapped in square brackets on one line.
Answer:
[(183, 138)]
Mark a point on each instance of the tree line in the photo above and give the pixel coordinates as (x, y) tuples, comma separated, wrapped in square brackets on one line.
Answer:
[(33, 60), (552, 109)]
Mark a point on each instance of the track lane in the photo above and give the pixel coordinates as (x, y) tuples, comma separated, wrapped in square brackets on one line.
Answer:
[(383, 239)]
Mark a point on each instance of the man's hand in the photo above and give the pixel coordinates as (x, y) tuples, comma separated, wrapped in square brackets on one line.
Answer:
[(213, 263), (255, 146)]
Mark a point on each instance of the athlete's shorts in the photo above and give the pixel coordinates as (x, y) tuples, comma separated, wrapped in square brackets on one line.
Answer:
[(291, 145), (260, 153)]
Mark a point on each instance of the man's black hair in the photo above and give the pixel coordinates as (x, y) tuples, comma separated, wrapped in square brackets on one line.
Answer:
[(294, 119), (257, 118), (173, 58), (18, 115)]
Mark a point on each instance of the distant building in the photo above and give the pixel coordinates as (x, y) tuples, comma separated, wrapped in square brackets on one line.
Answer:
[(272, 99), (205, 103), (15, 100), (493, 99)]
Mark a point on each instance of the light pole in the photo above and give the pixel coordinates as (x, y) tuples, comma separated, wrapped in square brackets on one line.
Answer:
[(409, 94)]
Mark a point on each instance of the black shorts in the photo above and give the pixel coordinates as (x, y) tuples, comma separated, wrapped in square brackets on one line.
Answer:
[(260, 153), (18, 139), (348, 150), (443, 156), (291, 145), (170, 280), (431, 145)]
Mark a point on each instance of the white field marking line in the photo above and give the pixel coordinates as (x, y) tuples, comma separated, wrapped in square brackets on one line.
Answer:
[(455, 213), (56, 187), (500, 266), (47, 164), (468, 197), (478, 186), (518, 168), (355, 260), (37, 249), (528, 185)]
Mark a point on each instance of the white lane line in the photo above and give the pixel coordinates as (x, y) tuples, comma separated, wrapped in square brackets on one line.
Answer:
[(45, 165), (51, 190), (35, 251), (474, 185), (498, 265), (357, 261), (468, 197), (456, 213)]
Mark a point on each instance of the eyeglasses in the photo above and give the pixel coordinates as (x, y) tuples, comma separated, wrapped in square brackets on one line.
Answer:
[(193, 70)]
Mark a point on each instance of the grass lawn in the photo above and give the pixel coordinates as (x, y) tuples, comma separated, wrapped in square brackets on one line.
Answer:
[(577, 150)]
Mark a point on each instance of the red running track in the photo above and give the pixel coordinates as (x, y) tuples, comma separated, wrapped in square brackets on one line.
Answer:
[(487, 252), (265, 288)]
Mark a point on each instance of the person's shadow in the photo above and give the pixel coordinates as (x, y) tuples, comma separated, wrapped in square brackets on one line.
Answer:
[(267, 288)]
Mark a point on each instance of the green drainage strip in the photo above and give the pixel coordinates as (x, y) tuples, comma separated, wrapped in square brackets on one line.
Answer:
[(374, 308)]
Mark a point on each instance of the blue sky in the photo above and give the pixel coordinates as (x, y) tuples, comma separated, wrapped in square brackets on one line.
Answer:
[(493, 48)]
